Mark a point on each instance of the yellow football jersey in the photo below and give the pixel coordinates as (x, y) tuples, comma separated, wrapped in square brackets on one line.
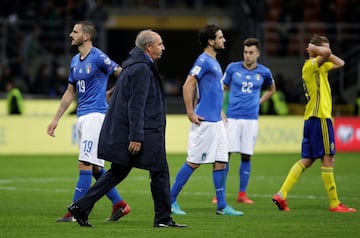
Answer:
[(317, 89)]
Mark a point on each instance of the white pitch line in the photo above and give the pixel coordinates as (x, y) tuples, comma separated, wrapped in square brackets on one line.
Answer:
[(5, 182), (200, 194)]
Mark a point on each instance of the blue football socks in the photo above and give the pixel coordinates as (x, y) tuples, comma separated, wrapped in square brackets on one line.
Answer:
[(244, 173), (83, 184), (219, 183), (181, 178)]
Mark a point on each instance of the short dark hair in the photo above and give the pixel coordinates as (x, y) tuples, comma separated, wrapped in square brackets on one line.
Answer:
[(89, 28), (252, 41), (208, 32), (318, 40)]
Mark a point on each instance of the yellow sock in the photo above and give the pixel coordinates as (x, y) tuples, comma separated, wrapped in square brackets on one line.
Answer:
[(296, 170), (328, 179)]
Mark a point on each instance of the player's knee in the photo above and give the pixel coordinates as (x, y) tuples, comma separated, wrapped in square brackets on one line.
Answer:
[(307, 162), (84, 165), (328, 161), (219, 166), (192, 165)]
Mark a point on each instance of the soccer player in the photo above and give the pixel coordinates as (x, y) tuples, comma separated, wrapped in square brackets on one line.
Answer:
[(318, 135), (244, 81), (207, 139), (89, 71)]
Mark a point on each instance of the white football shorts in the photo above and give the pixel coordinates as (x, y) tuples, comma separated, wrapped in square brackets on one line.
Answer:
[(207, 143), (241, 135), (87, 133)]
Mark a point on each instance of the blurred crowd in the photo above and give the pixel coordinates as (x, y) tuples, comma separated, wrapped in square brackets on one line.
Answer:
[(37, 40), (318, 16)]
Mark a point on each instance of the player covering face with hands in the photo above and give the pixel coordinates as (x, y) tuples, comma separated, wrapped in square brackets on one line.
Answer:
[(318, 134)]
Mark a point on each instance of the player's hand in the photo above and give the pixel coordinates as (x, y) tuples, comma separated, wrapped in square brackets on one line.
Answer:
[(109, 93), (51, 128), (310, 48), (223, 116), (196, 119)]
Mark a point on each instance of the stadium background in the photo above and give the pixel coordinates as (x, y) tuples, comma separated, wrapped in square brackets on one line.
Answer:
[(34, 50)]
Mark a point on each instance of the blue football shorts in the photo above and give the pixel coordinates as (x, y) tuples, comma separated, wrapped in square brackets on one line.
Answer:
[(318, 138)]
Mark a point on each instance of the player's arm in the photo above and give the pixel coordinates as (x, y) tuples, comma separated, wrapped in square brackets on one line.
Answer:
[(65, 102), (225, 103), (226, 92), (117, 71), (337, 62), (321, 52), (268, 93), (110, 92), (189, 92)]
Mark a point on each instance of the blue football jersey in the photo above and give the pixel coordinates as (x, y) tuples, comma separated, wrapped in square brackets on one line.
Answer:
[(90, 77), (208, 73), (245, 89)]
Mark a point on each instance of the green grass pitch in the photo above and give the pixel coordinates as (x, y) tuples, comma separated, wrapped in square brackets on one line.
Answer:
[(35, 191)]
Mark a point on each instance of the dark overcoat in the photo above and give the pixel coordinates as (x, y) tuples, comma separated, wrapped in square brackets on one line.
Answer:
[(136, 113)]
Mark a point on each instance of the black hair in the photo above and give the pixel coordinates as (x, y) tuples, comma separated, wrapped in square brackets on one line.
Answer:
[(207, 33), (251, 42), (89, 28)]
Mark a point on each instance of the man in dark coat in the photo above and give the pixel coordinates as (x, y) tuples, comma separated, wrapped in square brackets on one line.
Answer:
[(133, 132)]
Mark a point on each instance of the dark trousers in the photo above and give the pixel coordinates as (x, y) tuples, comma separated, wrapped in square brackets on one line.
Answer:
[(160, 190)]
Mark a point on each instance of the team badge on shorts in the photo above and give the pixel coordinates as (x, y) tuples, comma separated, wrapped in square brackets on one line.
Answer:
[(203, 157)]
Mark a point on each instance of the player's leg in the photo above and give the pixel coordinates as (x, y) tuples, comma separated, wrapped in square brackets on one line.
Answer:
[(232, 130), (214, 200), (280, 198), (248, 135), (327, 175), (196, 147), (244, 174), (218, 155), (295, 172), (219, 177), (327, 167), (181, 178), (84, 164)]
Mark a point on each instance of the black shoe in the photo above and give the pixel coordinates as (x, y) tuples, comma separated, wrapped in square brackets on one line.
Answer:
[(169, 224), (80, 216)]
